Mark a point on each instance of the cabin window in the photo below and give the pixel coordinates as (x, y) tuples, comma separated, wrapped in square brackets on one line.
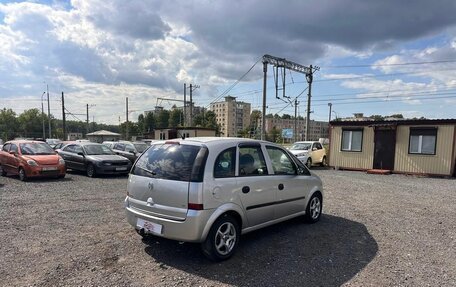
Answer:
[(352, 140), (422, 141)]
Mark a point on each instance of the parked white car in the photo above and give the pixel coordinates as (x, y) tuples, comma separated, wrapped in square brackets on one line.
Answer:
[(309, 152), (212, 190)]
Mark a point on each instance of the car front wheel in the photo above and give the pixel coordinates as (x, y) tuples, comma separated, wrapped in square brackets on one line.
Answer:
[(323, 161), (22, 175), (222, 240), (90, 171), (2, 171), (309, 162)]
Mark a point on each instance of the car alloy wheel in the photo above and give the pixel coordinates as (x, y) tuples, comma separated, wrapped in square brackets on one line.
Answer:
[(323, 161), (222, 240)]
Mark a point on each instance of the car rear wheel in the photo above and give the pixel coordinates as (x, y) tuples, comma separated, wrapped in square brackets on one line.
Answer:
[(22, 175), (90, 171), (314, 208), (222, 240), (309, 162), (323, 161)]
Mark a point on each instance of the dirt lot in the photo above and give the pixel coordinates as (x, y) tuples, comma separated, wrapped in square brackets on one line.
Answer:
[(377, 231)]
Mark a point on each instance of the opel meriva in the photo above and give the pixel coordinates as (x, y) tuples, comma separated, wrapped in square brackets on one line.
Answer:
[(212, 190)]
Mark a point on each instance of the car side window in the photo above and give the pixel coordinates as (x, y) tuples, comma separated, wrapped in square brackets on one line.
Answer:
[(78, 149), (224, 165), (69, 148), (13, 148), (129, 148), (119, 146), (6, 147), (251, 161), (281, 161)]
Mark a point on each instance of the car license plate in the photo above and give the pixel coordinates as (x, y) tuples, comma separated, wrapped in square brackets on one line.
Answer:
[(149, 226), (121, 168), (49, 168)]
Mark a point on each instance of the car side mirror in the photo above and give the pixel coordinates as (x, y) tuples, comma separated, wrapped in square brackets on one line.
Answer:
[(132, 152), (13, 153), (314, 148), (81, 153)]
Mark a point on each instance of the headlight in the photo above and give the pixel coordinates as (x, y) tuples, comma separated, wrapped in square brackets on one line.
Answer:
[(31, 162), (61, 161)]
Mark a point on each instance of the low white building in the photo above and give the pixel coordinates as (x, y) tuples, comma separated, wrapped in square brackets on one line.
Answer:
[(102, 135)]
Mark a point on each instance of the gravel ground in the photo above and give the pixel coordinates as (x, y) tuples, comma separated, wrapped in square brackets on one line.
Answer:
[(376, 231)]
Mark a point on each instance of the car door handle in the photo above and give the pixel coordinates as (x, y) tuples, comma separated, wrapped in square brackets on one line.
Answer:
[(245, 189), (280, 186)]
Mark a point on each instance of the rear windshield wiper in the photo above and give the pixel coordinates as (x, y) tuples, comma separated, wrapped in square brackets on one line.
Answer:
[(148, 171)]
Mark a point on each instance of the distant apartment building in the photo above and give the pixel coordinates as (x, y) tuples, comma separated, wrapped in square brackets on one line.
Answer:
[(231, 115), (317, 129)]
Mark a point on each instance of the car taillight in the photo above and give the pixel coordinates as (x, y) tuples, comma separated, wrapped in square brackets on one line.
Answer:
[(195, 206)]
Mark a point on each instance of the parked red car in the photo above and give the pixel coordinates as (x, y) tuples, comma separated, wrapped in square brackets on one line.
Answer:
[(30, 159)]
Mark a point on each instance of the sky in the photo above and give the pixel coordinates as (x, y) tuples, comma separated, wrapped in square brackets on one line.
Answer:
[(374, 57)]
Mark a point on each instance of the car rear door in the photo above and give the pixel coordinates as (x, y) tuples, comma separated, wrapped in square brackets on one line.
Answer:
[(160, 180), (254, 184)]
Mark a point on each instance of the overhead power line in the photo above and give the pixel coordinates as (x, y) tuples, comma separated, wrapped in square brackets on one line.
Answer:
[(391, 65)]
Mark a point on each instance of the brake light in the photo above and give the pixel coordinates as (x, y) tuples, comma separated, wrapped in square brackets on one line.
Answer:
[(195, 206)]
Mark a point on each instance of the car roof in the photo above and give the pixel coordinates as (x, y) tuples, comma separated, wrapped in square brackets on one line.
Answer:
[(305, 142), (213, 141), (23, 141)]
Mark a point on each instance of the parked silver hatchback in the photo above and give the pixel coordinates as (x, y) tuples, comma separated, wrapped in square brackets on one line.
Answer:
[(212, 190)]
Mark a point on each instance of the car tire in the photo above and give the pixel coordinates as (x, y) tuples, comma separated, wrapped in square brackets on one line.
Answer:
[(309, 162), (222, 240), (314, 208), (323, 161), (90, 170), (22, 174), (61, 176), (2, 172)]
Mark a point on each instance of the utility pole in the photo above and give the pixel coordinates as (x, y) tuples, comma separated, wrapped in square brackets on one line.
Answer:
[(263, 116), (192, 88), (330, 108), (126, 127), (280, 62), (185, 104), (329, 120), (63, 117), (191, 105), (87, 120), (42, 115), (49, 110), (295, 132), (309, 78)]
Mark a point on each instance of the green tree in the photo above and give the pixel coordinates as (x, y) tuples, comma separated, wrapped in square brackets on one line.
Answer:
[(8, 124), (176, 117), (149, 122), (30, 123), (286, 116), (141, 123), (163, 119)]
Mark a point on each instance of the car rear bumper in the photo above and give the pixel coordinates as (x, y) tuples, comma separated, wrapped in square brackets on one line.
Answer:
[(188, 230)]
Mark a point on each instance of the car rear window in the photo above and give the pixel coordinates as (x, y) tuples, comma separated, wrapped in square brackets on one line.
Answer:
[(173, 162)]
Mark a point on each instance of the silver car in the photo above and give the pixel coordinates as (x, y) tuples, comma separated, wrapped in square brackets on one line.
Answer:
[(212, 190)]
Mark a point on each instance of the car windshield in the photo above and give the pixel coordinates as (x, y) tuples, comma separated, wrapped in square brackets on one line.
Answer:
[(167, 161), (300, 146), (140, 147), (95, 149), (36, 149)]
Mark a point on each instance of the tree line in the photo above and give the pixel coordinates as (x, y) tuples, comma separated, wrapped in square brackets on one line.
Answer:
[(29, 124)]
